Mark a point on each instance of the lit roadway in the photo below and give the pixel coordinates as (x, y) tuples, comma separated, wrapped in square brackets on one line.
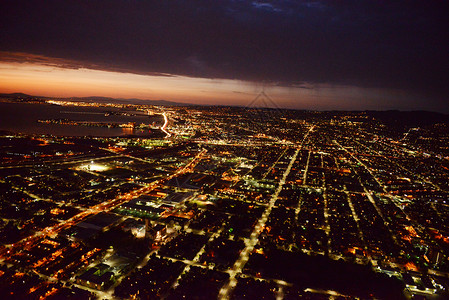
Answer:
[(369, 194), (59, 161), (393, 200), (164, 127), (254, 238), (28, 242), (419, 176), (399, 165), (274, 164), (307, 168), (195, 261)]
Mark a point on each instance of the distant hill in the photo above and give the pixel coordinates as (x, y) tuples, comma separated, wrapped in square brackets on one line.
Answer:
[(96, 99), (409, 118), (127, 101), (19, 95)]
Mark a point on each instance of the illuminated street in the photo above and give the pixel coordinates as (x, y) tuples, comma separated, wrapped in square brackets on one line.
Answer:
[(226, 209)]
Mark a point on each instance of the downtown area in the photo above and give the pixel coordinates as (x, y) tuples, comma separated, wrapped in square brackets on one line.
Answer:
[(128, 201)]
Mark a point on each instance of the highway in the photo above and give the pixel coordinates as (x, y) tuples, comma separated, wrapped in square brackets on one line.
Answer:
[(164, 127), (59, 161)]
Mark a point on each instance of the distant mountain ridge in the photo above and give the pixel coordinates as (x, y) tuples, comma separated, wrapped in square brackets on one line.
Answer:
[(97, 99)]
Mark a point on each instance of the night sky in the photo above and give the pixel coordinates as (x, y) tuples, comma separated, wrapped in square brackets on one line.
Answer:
[(305, 54)]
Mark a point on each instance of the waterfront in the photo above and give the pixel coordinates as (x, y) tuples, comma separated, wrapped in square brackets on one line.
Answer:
[(23, 118)]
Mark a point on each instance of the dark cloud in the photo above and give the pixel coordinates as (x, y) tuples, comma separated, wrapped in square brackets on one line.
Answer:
[(382, 44), (20, 57)]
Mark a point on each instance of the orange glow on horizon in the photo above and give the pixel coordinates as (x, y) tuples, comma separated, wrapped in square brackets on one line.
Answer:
[(54, 80)]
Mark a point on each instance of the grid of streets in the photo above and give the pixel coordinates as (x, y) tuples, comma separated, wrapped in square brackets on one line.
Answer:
[(230, 204)]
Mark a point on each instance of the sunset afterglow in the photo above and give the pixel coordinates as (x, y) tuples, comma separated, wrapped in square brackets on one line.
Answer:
[(56, 81)]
